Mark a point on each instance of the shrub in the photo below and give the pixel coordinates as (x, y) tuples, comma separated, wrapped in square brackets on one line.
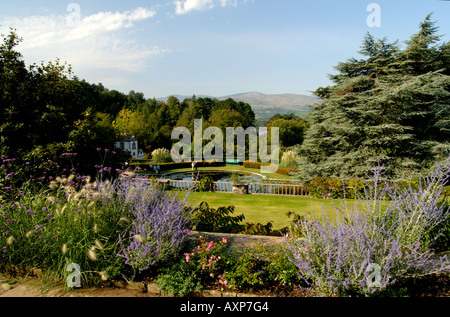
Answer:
[(206, 184), (161, 156), (281, 170), (178, 280), (209, 219), (261, 266), (325, 187), (248, 164), (206, 264), (366, 250), (160, 223)]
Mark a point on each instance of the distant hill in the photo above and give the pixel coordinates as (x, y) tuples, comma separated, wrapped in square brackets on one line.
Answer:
[(267, 105)]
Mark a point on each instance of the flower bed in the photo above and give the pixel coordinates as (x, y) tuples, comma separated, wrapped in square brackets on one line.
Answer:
[(131, 229)]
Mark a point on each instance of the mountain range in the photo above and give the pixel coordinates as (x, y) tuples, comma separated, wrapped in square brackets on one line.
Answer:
[(267, 105)]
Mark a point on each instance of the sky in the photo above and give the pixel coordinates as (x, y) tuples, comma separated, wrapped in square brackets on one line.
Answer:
[(210, 47)]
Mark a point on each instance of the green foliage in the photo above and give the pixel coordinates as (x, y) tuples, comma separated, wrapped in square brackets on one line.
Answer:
[(280, 170), (45, 112), (325, 187), (178, 280), (70, 222), (209, 219), (206, 184), (391, 106), (206, 264), (291, 128), (260, 266)]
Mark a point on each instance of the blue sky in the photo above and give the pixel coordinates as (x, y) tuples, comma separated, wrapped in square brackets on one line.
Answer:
[(209, 47)]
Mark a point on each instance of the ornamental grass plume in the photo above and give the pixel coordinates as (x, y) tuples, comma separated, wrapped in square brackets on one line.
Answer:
[(92, 255), (370, 247), (64, 248)]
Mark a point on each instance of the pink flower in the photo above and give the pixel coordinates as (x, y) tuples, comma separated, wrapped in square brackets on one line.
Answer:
[(224, 240), (188, 257)]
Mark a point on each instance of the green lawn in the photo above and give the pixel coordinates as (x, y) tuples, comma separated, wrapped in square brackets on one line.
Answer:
[(265, 208)]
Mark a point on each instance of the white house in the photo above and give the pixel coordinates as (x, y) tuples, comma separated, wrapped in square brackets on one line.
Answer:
[(130, 144)]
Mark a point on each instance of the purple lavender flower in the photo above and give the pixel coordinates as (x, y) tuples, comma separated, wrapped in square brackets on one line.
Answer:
[(369, 247), (160, 223)]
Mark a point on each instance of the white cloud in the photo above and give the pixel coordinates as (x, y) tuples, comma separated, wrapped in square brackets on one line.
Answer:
[(224, 3), (97, 43), (186, 6)]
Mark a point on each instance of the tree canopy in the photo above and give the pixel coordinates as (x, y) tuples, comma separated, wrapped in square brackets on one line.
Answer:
[(390, 107), (45, 111)]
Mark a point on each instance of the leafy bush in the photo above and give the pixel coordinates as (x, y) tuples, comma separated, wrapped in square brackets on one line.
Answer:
[(368, 249), (260, 266), (325, 187), (209, 219), (206, 184), (178, 280), (206, 264)]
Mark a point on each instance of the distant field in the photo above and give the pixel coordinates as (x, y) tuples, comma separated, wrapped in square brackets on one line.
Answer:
[(265, 208)]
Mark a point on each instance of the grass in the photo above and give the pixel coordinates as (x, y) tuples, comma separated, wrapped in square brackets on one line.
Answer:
[(265, 208)]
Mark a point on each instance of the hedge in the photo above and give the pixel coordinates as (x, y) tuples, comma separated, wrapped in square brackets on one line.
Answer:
[(173, 165), (281, 170)]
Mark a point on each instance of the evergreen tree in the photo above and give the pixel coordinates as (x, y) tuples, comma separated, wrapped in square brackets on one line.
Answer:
[(393, 106)]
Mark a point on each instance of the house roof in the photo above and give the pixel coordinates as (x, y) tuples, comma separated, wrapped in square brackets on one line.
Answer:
[(126, 138)]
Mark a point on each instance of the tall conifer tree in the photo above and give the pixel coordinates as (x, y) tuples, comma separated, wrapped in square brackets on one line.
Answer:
[(392, 106)]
